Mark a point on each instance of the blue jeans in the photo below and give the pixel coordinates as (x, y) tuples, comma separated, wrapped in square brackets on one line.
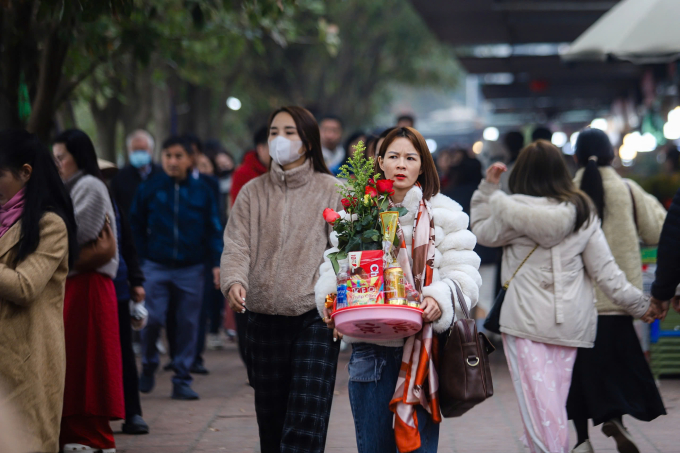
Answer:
[(185, 286), (373, 373)]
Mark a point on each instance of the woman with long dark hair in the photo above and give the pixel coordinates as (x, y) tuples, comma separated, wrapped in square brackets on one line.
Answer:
[(553, 242), (273, 246), (94, 375), (37, 246), (437, 242), (613, 378)]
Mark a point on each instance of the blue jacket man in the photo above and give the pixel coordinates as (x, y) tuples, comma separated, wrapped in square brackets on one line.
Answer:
[(176, 228)]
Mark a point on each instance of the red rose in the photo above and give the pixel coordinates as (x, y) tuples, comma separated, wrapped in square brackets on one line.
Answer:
[(385, 186), (330, 216), (371, 182), (346, 203), (371, 192)]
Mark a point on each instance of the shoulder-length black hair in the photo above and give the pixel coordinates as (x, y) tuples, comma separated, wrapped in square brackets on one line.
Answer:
[(79, 145), (540, 171), (45, 191), (308, 130), (593, 150)]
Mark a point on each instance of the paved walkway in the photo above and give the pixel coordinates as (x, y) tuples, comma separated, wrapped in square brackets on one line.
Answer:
[(224, 419)]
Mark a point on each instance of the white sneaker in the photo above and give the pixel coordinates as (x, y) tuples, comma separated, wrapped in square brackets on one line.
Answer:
[(624, 441), (161, 347), (214, 342), (585, 447), (80, 448)]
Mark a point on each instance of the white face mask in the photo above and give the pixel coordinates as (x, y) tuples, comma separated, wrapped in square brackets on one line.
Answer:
[(284, 151)]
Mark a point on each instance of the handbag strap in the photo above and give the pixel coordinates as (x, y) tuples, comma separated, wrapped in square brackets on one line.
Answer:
[(461, 298), (507, 284)]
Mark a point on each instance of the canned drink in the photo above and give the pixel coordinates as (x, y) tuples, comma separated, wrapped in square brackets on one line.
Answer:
[(394, 285), (414, 304), (398, 301)]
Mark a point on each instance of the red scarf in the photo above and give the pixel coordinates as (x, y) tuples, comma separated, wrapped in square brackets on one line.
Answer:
[(420, 358)]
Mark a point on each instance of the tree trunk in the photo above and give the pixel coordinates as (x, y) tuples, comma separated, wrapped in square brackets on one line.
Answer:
[(51, 65), (15, 26), (106, 119)]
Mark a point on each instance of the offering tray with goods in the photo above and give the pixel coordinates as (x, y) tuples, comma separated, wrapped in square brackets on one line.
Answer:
[(375, 299)]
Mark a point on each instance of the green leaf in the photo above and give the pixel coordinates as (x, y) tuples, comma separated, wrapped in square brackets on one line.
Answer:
[(333, 257), (372, 234), (402, 211), (354, 244)]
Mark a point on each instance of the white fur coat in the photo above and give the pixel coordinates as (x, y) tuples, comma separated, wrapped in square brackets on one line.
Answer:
[(454, 260)]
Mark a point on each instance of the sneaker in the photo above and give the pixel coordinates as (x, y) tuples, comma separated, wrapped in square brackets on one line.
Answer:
[(135, 425), (585, 447), (161, 347), (183, 392), (80, 448), (198, 368), (624, 441), (147, 382), (214, 342)]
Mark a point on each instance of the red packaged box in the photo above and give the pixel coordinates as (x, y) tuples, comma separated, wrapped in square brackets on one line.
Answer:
[(366, 280)]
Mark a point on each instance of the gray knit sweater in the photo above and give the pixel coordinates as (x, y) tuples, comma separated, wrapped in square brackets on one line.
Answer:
[(91, 205)]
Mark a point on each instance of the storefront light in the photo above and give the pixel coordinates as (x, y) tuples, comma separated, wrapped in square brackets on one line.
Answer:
[(478, 147), (491, 134), (559, 139), (599, 123)]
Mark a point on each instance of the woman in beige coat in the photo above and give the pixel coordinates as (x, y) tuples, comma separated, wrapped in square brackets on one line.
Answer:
[(613, 378), (549, 308), (37, 242)]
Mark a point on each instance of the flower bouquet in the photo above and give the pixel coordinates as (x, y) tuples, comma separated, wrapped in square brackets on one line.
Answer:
[(373, 299)]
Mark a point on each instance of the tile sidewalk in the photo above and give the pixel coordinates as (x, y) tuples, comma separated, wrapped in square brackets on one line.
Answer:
[(223, 420)]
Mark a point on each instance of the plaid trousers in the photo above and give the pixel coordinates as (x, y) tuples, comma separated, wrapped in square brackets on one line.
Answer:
[(292, 361)]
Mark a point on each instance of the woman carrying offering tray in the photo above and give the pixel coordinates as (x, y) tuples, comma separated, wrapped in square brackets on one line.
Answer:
[(433, 249)]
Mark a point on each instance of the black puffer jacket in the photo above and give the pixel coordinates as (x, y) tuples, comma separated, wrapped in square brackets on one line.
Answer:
[(668, 257)]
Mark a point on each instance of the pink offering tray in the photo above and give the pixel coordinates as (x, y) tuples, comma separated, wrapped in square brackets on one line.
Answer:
[(378, 322)]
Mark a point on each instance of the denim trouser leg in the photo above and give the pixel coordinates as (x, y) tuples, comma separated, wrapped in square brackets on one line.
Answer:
[(158, 287), (373, 372), (206, 306), (188, 288)]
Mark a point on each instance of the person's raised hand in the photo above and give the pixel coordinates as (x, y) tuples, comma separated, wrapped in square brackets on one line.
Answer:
[(237, 298), (494, 172), (431, 310)]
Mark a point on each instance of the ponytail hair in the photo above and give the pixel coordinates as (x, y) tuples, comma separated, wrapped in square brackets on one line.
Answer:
[(594, 150)]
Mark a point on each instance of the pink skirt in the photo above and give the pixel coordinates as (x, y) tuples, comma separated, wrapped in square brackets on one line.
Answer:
[(541, 375)]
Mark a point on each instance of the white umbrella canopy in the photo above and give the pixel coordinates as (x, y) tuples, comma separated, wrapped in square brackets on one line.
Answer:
[(640, 31)]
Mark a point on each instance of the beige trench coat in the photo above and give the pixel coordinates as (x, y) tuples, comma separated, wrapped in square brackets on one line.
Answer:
[(32, 349)]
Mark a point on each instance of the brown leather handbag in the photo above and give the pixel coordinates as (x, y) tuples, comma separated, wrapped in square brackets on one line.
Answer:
[(464, 372)]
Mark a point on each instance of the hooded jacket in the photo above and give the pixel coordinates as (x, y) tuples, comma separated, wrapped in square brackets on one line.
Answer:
[(250, 169), (552, 298), (454, 260), (623, 231)]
